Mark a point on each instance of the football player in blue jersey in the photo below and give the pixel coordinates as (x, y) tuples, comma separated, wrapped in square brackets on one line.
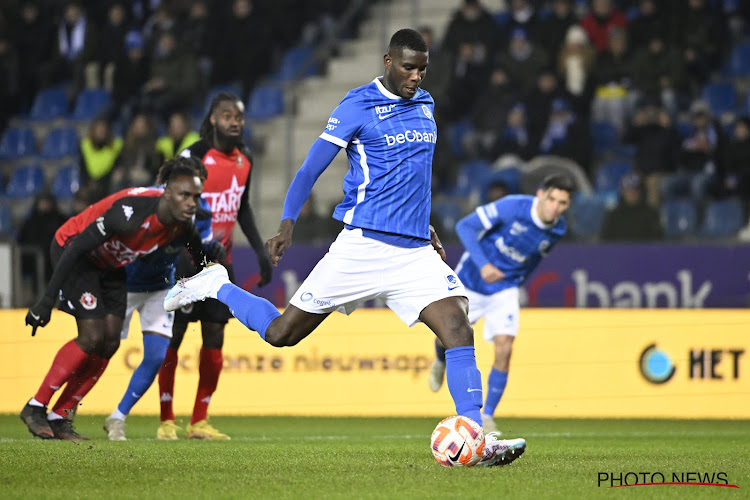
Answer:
[(148, 280), (387, 249), (504, 240)]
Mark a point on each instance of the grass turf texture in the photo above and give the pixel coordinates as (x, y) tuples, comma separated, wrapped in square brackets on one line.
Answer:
[(286, 457)]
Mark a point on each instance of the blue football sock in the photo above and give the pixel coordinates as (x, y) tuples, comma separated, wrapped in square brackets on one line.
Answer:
[(254, 312), (154, 350), (495, 388), (464, 381), (439, 351)]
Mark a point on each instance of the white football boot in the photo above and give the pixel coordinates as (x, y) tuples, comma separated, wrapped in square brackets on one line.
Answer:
[(437, 375), (202, 286), (500, 451)]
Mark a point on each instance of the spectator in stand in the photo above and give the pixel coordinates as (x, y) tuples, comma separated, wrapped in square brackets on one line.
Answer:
[(701, 36), (611, 79), (524, 61), (539, 103), (173, 80), (599, 22), (632, 219), (159, 22), (575, 63), (553, 29), (139, 160), (659, 70), (34, 41), (74, 51), (737, 162), (112, 42), (243, 52), (99, 151), (471, 24), (567, 135), (649, 21), (440, 67), (199, 36), (700, 159), (179, 136), (496, 190), (514, 138), (37, 231), (489, 115), (468, 80), (656, 144), (130, 75), (522, 14)]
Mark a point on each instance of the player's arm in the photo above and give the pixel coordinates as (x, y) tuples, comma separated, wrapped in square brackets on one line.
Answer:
[(214, 250), (246, 219), (194, 245), (321, 155), (112, 222), (470, 230)]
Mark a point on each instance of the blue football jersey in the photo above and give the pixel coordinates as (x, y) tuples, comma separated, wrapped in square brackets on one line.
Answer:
[(510, 236), (155, 271), (390, 142)]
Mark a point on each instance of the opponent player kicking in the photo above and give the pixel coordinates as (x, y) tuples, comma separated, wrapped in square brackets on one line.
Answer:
[(387, 249), (504, 241), (149, 279), (90, 252)]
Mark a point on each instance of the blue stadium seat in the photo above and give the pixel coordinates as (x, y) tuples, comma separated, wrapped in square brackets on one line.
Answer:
[(608, 177), (60, 142), (449, 212), (738, 64), (266, 101), (605, 138), (678, 217), (586, 216), (90, 103), (721, 97), (16, 143), (472, 177), (722, 219), (510, 176), (66, 182), (298, 59), (25, 181), (6, 221), (49, 104)]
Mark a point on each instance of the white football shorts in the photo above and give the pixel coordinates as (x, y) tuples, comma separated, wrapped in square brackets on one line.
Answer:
[(500, 311), (357, 269), (150, 307)]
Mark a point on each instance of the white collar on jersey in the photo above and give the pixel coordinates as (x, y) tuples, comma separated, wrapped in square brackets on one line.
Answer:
[(384, 90), (535, 216)]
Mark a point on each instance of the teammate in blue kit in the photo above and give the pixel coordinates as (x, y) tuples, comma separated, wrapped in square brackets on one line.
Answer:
[(387, 248), (504, 240), (148, 280)]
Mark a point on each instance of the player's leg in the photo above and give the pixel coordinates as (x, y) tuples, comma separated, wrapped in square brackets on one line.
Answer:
[(156, 325), (209, 369), (167, 374)]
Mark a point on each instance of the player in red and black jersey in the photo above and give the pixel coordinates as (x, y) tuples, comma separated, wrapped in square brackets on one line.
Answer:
[(90, 252), (227, 188)]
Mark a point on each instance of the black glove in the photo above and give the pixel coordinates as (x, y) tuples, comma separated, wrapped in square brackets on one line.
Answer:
[(39, 314), (216, 252), (266, 269)]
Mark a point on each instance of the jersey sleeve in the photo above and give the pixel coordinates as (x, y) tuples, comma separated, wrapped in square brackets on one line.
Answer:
[(496, 213), (345, 122), (196, 150)]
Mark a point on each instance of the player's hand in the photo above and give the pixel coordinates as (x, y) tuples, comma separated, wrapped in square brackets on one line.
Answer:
[(436, 244), (491, 274), (266, 269), (39, 314), (216, 252), (277, 245)]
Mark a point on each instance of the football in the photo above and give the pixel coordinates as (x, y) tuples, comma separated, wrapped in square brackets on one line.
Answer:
[(457, 442)]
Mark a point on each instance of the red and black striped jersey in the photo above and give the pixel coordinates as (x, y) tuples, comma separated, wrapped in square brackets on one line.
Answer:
[(128, 221), (225, 188)]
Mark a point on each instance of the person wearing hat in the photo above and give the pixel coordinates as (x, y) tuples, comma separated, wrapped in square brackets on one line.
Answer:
[(632, 219)]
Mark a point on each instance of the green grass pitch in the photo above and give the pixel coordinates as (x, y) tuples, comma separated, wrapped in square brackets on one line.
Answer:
[(287, 457)]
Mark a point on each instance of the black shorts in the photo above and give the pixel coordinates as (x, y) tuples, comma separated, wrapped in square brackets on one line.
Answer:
[(210, 310), (90, 292)]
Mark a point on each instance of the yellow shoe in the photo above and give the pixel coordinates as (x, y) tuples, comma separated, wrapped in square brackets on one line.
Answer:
[(202, 430), (167, 431)]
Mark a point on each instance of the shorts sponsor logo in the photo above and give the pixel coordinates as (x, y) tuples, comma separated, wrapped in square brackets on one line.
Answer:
[(307, 297), (88, 301)]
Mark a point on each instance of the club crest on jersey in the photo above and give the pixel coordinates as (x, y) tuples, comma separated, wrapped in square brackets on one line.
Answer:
[(239, 161), (543, 247), (426, 111), (88, 301)]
